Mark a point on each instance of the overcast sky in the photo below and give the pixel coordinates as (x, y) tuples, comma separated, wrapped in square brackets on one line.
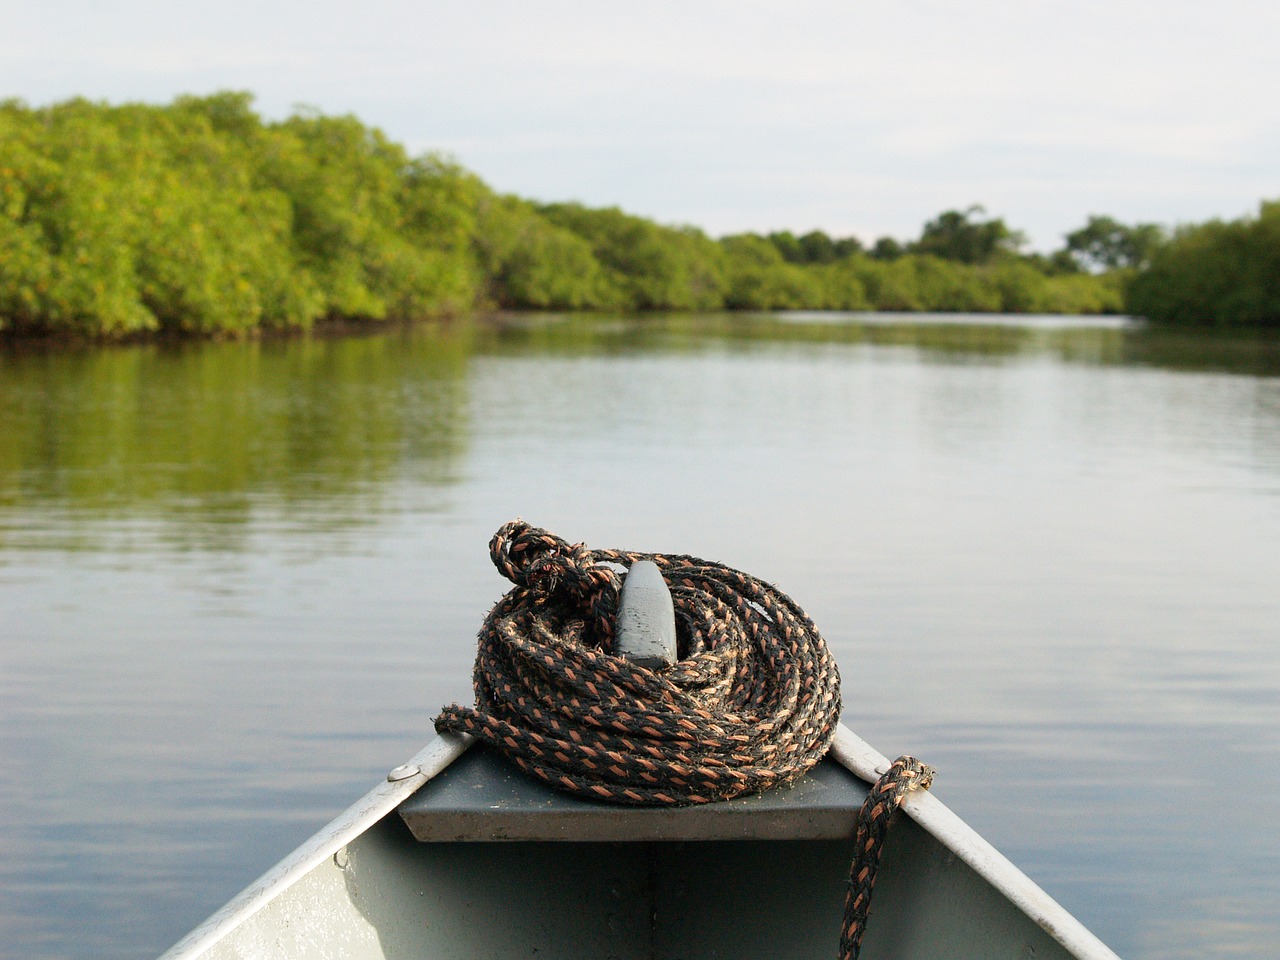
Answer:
[(852, 117)]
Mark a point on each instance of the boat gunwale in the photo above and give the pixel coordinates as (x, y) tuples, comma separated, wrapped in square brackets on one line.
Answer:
[(847, 749), (324, 843), (937, 819)]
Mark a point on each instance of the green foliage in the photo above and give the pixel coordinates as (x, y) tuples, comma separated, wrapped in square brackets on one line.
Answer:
[(914, 282), (813, 247), (760, 279), (530, 262), (1074, 293), (890, 284), (653, 267), (957, 235), (138, 219), (383, 236), (887, 248), (945, 285), (1216, 273), (1104, 243), (1058, 262), (66, 253), (199, 217), (842, 285)]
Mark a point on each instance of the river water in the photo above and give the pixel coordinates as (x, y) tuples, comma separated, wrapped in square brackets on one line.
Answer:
[(237, 580)]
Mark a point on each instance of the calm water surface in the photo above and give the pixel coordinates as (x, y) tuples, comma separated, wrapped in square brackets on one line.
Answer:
[(238, 580)]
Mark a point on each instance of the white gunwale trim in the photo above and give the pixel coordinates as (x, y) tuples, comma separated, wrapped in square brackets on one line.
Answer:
[(348, 825), (847, 748), (933, 815)]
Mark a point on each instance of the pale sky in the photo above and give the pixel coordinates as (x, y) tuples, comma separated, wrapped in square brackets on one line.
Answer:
[(852, 117)]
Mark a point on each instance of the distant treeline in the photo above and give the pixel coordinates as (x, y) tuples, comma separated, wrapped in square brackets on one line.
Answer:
[(1221, 273), (200, 217)]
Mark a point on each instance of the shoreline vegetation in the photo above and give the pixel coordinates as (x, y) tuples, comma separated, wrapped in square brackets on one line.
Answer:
[(199, 218)]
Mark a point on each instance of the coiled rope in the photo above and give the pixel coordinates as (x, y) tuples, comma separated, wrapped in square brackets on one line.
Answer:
[(753, 702)]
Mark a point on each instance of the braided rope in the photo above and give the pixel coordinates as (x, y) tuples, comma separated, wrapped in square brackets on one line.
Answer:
[(753, 702), (874, 818)]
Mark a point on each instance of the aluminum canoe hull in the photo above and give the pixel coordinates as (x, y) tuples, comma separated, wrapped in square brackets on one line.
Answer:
[(649, 886)]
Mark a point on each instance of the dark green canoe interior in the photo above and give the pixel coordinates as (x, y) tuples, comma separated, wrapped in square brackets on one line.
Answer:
[(483, 864)]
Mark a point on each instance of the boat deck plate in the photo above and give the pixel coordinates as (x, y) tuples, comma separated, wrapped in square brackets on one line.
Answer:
[(481, 796)]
